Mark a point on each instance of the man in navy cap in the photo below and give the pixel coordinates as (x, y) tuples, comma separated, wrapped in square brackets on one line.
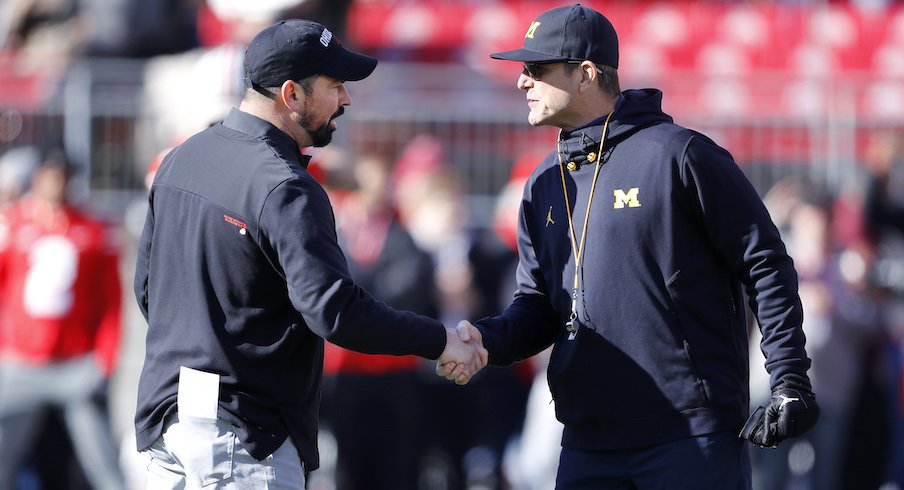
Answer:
[(240, 279), (638, 240)]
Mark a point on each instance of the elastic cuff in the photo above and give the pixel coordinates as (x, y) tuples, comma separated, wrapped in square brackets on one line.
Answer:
[(795, 381)]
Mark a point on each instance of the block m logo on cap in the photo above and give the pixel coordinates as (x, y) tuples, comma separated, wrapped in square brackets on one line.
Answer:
[(532, 30)]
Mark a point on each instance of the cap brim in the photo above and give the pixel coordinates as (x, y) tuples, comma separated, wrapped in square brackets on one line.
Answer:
[(349, 66), (526, 55)]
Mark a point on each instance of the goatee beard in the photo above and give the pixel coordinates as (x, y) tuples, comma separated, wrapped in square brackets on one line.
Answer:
[(322, 135)]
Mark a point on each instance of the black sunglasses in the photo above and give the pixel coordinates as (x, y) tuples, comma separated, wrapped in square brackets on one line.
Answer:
[(535, 72)]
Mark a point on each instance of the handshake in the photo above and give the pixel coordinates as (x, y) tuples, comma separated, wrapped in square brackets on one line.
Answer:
[(464, 354)]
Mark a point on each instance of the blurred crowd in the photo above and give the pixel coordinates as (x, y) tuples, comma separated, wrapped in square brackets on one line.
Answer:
[(404, 226), (848, 250)]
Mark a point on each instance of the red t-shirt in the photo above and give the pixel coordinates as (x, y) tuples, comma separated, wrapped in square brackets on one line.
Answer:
[(60, 294)]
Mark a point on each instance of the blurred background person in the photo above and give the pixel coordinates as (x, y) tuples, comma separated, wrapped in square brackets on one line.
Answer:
[(372, 403), (843, 323), (534, 458), (474, 274), (502, 395), (884, 222), (51, 462), (883, 210), (59, 325), (428, 196), (40, 29)]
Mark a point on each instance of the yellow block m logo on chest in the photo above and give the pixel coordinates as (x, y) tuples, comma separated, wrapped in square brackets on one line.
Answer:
[(629, 198)]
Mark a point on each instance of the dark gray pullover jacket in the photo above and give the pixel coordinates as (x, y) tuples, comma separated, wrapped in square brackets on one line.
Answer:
[(239, 274)]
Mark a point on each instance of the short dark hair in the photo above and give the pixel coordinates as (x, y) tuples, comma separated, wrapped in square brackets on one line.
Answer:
[(607, 78), (307, 85)]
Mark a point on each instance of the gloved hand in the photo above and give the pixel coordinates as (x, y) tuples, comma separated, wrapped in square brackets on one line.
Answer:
[(791, 411)]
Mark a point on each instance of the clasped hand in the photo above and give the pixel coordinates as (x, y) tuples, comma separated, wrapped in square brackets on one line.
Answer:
[(464, 354)]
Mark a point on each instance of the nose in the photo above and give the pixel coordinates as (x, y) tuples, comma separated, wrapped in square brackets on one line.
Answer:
[(344, 97), (524, 82)]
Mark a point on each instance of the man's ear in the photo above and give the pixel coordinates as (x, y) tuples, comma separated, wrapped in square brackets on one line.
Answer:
[(291, 94), (589, 74)]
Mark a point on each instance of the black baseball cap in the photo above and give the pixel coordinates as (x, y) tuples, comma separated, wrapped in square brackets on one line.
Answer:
[(295, 49), (570, 33)]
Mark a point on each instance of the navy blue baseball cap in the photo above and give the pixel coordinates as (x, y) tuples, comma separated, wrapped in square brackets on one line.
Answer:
[(570, 33), (295, 49)]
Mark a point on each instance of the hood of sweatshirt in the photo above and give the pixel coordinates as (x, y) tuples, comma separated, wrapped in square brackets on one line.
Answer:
[(637, 109)]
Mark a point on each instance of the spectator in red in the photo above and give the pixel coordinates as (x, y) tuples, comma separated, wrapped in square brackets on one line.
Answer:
[(383, 258), (59, 325)]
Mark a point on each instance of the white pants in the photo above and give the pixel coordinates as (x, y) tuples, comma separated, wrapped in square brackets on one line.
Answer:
[(195, 453)]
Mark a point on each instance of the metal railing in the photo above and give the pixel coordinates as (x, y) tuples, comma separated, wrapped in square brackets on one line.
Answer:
[(479, 121)]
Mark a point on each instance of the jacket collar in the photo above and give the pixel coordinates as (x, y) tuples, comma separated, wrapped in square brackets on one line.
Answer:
[(635, 110), (581, 146), (258, 128)]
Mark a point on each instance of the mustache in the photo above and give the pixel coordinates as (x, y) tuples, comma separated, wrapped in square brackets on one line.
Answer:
[(338, 113)]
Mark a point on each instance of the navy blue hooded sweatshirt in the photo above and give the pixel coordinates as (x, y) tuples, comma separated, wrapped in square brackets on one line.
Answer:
[(676, 233), (239, 274)]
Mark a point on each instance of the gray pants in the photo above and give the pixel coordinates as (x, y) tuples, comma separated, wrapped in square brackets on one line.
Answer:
[(27, 392), (194, 452)]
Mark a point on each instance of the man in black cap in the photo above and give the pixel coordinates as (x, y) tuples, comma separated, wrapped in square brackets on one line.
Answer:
[(638, 240), (240, 278)]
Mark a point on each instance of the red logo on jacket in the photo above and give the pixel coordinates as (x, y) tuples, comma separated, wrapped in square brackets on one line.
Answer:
[(241, 224)]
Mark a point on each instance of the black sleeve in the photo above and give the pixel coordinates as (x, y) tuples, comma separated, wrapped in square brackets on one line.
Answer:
[(743, 234), (529, 324), (297, 221)]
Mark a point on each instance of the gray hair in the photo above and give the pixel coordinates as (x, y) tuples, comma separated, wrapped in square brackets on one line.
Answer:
[(607, 79)]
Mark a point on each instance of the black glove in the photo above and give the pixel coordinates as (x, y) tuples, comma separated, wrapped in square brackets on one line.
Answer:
[(791, 411)]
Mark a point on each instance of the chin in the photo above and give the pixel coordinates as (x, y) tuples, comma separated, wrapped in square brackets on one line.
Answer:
[(322, 137), (537, 119)]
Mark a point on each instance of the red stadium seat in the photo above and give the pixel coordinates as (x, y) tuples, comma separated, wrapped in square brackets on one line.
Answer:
[(731, 48)]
